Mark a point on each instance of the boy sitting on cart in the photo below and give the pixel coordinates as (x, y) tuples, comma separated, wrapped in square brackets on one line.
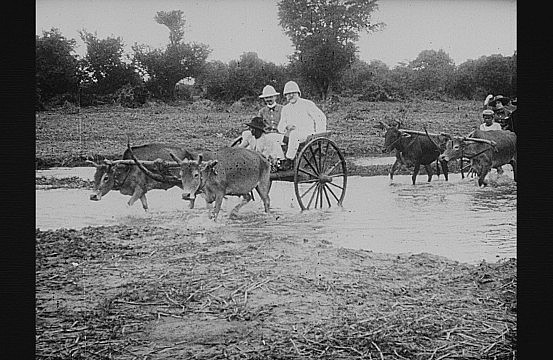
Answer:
[(256, 139)]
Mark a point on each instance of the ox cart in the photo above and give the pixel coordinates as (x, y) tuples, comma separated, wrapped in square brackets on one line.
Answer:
[(319, 173)]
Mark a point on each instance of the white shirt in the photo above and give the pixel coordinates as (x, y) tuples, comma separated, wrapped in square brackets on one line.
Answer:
[(303, 114), (265, 145), (493, 126)]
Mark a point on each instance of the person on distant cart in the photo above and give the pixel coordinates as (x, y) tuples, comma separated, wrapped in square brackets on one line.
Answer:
[(489, 123), (502, 115)]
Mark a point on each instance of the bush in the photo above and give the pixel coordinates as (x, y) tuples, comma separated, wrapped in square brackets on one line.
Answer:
[(132, 96)]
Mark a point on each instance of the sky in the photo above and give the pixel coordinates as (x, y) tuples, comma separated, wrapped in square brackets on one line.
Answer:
[(464, 29)]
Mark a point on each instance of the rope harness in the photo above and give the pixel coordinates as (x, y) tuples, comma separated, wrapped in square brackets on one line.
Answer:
[(478, 153), (116, 184)]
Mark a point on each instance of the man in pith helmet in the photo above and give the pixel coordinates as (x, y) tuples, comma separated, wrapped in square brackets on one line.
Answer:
[(299, 119), (272, 110)]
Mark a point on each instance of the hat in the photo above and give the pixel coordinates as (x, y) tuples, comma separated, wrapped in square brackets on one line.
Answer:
[(487, 112), (502, 99), (488, 98), (268, 91), (257, 123), (291, 87)]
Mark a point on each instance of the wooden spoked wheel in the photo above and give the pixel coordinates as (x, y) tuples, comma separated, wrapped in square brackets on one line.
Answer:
[(320, 175)]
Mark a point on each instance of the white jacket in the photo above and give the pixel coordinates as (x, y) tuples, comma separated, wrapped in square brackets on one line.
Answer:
[(303, 114)]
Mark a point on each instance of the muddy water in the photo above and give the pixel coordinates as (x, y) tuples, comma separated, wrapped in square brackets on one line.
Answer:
[(455, 219)]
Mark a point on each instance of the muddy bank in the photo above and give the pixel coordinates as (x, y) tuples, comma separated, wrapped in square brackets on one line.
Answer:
[(146, 292)]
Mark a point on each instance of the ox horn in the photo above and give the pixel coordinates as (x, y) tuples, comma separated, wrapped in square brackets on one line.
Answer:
[(405, 134), (119, 162), (158, 177), (93, 163), (432, 140), (386, 126), (176, 158), (485, 141)]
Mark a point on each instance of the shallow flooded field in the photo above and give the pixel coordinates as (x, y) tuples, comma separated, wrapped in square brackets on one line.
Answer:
[(455, 219)]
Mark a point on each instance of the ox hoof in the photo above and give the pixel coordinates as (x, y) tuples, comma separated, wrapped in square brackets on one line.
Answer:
[(186, 197)]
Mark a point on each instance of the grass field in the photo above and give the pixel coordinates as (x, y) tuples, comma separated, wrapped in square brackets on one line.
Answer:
[(67, 136)]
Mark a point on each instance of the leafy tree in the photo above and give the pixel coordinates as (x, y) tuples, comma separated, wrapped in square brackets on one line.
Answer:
[(179, 60), (249, 74), (175, 21), (464, 82), (399, 81), (493, 74), (432, 71), (324, 33), (213, 80), (107, 72), (513, 67), (240, 79), (361, 76), (56, 66)]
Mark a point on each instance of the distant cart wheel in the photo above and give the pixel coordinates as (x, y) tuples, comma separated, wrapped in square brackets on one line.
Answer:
[(320, 175)]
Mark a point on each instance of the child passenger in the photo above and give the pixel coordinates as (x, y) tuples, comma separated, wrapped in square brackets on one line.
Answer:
[(256, 139)]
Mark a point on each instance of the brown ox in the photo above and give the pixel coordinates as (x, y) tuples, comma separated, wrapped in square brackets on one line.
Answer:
[(485, 149), (229, 171), (125, 176), (414, 148)]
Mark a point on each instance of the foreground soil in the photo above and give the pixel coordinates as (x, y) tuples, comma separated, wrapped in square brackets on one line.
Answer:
[(150, 293)]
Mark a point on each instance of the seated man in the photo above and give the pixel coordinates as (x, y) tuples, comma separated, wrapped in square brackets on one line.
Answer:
[(256, 139), (299, 119)]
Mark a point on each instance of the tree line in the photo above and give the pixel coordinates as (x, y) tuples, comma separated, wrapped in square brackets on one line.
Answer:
[(324, 63)]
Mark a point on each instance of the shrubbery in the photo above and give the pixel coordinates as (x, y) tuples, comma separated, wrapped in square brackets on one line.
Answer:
[(102, 77)]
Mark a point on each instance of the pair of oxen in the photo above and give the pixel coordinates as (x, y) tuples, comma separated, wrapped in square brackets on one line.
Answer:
[(484, 149), (214, 175)]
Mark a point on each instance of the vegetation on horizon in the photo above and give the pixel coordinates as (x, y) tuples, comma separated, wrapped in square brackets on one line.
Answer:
[(324, 63)]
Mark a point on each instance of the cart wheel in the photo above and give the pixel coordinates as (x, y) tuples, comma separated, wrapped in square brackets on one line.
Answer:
[(320, 174)]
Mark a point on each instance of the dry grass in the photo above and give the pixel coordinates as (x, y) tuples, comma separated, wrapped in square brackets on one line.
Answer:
[(64, 139)]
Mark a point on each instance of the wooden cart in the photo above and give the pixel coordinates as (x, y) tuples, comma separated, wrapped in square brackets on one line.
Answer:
[(319, 173)]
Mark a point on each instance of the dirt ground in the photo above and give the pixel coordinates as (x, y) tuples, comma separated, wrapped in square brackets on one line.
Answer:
[(123, 292), (146, 292)]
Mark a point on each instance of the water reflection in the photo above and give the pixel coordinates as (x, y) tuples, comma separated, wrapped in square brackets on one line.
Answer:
[(455, 219)]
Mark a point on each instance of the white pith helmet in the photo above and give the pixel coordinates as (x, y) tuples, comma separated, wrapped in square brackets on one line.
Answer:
[(291, 87), (268, 91)]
